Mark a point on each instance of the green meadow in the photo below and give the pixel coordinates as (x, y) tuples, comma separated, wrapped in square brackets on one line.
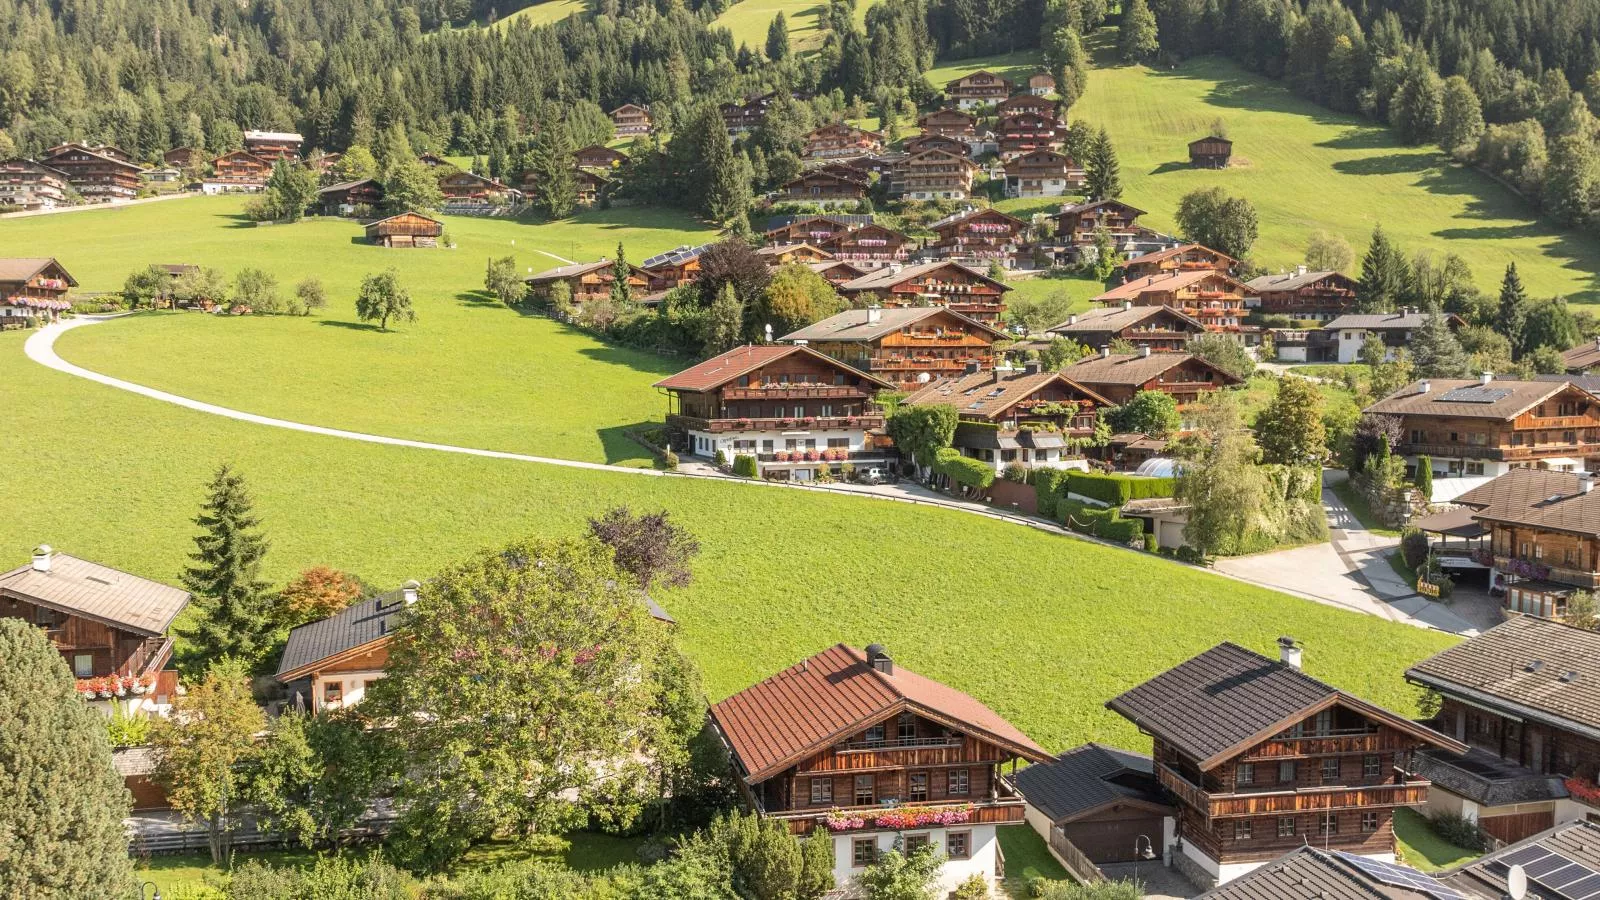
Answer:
[(748, 21)]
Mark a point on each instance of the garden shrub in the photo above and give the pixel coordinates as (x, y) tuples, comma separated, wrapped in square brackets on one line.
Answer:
[(963, 470), (744, 465), (1189, 554), (1015, 473), (1150, 543), (670, 459), (1459, 830), (1414, 547), (1048, 488), (1116, 490), (720, 460)]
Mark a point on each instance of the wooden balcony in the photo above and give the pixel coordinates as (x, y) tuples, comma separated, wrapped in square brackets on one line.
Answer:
[(1330, 745), (1002, 810), (1507, 453), (1561, 574), (1316, 799), (720, 426), (794, 392)]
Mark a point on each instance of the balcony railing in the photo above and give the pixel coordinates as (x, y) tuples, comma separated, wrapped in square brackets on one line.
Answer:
[(1313, 799), (899, 744), (792, 391), (1004, 809), (1524, 451), (802, 456), (720, 425), (1330, 744)]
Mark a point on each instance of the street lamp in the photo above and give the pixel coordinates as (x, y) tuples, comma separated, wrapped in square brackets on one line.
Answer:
[(152, 886)]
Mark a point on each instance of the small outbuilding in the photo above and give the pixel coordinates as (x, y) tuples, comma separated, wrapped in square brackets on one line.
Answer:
[(1210, 152), (407, 229), (1098, 801)]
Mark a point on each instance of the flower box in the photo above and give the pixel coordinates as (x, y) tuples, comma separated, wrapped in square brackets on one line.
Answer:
[(900, 818), (1584, 790)]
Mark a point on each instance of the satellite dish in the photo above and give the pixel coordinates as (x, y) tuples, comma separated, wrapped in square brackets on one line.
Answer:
[(769, 332), (1517, 882)]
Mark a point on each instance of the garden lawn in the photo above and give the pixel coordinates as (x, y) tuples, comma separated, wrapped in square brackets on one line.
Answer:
[(1080, 290), (1027, 857), (1421, 848), (1042, 627), (470, 371)]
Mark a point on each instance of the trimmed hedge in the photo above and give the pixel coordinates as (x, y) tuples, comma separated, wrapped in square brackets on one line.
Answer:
[(1102, 523), (964, 469), (1115, 490), (744, 466), (1049, 486)]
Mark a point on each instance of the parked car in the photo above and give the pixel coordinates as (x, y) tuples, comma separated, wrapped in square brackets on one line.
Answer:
[(873, 475)]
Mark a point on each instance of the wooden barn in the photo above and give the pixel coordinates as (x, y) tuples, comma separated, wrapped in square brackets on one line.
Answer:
[(1210, 152), (407, 229)]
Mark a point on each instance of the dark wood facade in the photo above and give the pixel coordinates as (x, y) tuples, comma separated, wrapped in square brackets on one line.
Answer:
[(240, 169), (1567, 425), (97, 173), (869, 246), (408, 229), (987, 234), (1025, 132), (839, 185), (92, 649), (631, 119), (1210, 152), (979, 88)]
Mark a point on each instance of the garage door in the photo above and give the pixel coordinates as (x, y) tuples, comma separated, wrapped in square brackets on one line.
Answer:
[(1111, 837), (1170, 534)]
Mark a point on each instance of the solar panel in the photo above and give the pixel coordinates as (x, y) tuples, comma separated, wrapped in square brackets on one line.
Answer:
[(1553, 872), (1399, 876), (1586, 887), (1475, 395), (1521, 857)]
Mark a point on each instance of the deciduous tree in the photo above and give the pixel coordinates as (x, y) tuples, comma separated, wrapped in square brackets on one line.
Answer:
[(1219, 479), (313, 775), (794, 298), (502, 279), (1213, 218), (898, 876), (1224, 352), (1289, 430), (1138, 37), (920, 432), (1148, 412), (1329, 252), (649, 546), (316, 593), (382, 298)]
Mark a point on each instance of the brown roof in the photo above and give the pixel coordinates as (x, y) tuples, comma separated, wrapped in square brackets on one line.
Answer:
[(1179, 250), (1467, 398), (82, 588), (577, 269), (1229, 698), (780, 249), (1116, 318), (724, 367), (1584, 356), (990, 394), (1306, 873), (1536, 667), (1136, 368), (860, 324), (1073, 209), (1173, 281), (1541, 498), (888, 276), (22, 268), (810, 706), (1291, 281)]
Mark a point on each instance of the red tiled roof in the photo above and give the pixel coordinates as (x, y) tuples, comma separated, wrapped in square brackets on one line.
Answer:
[(813, 704), (1177, 280), (724, 367)]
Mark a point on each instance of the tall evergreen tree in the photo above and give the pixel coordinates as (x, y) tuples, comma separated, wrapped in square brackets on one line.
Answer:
[(1101, 169), (235, 609), (1435, 350), (64, 804), (727, 189), (1512, 320), (1384, 275), (621, 293), (778, 39), (1138, 36), (554, 165)]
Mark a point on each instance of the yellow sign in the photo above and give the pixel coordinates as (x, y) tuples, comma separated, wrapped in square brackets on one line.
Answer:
[(1426, 589)]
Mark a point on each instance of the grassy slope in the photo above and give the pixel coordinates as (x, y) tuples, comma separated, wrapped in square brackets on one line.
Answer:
[(542, 13), (748, 21), (1305, 169), (469, 371)]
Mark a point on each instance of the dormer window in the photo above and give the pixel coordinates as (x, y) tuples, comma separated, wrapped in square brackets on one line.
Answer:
[(907, 730), (874, 735)]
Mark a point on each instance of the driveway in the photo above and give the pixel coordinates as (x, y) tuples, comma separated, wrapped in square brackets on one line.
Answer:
[(1351, 571), (1159, 882)]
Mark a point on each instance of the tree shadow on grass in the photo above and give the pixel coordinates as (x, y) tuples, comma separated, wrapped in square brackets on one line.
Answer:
[(620, 448), (479, 300), (353, 326), (640, 360), (1390, 164), (1174, 166)]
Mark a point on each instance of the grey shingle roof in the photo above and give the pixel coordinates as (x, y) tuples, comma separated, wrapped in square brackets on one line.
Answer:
[(859, 324), (1288, 281), (1310, 874), (362, 623), (1486, 876), (1497, 668), (1541, 498), (82, 588), (1514, 397), (1116, 318), (1378, 321), (1486, 779), (1087, 778)]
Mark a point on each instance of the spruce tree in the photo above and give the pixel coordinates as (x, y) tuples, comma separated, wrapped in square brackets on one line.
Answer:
[(727, 189), (62, 817), (1435, 350), (621, 294), (235, 609), (1103, 173), (1513, 315), (778, 39), (556, 170), (1384, 273)]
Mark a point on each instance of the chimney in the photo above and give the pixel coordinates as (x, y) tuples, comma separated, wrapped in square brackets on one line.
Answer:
[(1145, 351), (1127, 304), (972, 367), (1289, 651), (878, 659), (1486, 377), (1073, 320), (1032, 367), (1424, 386), (41, 558), (408, 591), (1300, 269), (874, 315), (1105, 351), (1585, 482)]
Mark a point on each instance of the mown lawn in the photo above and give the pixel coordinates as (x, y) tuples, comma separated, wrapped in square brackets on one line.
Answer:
[(469, 371), (748, 21), (1027, 858), (1421, 848)]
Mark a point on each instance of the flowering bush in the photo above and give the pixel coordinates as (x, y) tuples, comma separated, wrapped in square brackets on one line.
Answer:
[(1584, 790), (838, 820), (900, 817)]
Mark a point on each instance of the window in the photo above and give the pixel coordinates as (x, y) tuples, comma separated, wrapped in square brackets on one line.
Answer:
[(799, 410), (332, 691), (918, 787), (838, 443), (863, 852), (766, 447), (1328, 824), (874, 735), (1286, 772), (915, 842), (907, 730), (1244, 775), (958, 784), (48, 618), (827, 410), (1369, 822), (83, 665), (1286, 826), (866, 790), (1324, 721), (1243, 830), (821, 791), (1371, 766), (958, 844), (1330, 771)]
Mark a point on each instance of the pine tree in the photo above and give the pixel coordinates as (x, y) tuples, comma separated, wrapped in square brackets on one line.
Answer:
[(64, 805), (724, 322), (236, 610), (1512, 320), (1102, 171), (554, 165), (727, 189), (1138, 36), (1435, 350), (778, 39), (621, 293), (1384, 274)]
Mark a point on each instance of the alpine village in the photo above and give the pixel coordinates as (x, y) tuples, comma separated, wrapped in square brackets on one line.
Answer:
[(763, 450)]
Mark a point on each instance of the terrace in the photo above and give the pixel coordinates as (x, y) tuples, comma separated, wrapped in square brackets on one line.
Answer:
[(1300, 800)]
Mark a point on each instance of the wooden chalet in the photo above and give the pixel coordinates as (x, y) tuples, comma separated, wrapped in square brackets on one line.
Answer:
[(273, 145), (1025, 132), (936, 175), (908, 346), (1029, 417), (1041, 84), (837, 271), (184, 157), (237, 170), (109, 626), (1042, 173), (1098, 802), (676, 267), (834, 184), (1181, 258), (161, 175), (1582, 359), (794, 409), (25, 184), (851, 744), (747, 115), (345, 198), (947, 284), (870, 246), (331, 663), (775, 255), (841, 140), (1077, 223), (587, 282), (97, 172), (1210, 152), (33, 289), (978, 236), (407, 229), (980, 88), (814, 230), (1262, 758), (953, 146), (432, 160), (1215, 298), (1487, 426), (1160, 328), (324, 163), (1525, 697), (1119, 376), (470, 187), (591, 186), (950, 123), (631, 119), (1303, 294), (1036, 104), (599, 156)]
